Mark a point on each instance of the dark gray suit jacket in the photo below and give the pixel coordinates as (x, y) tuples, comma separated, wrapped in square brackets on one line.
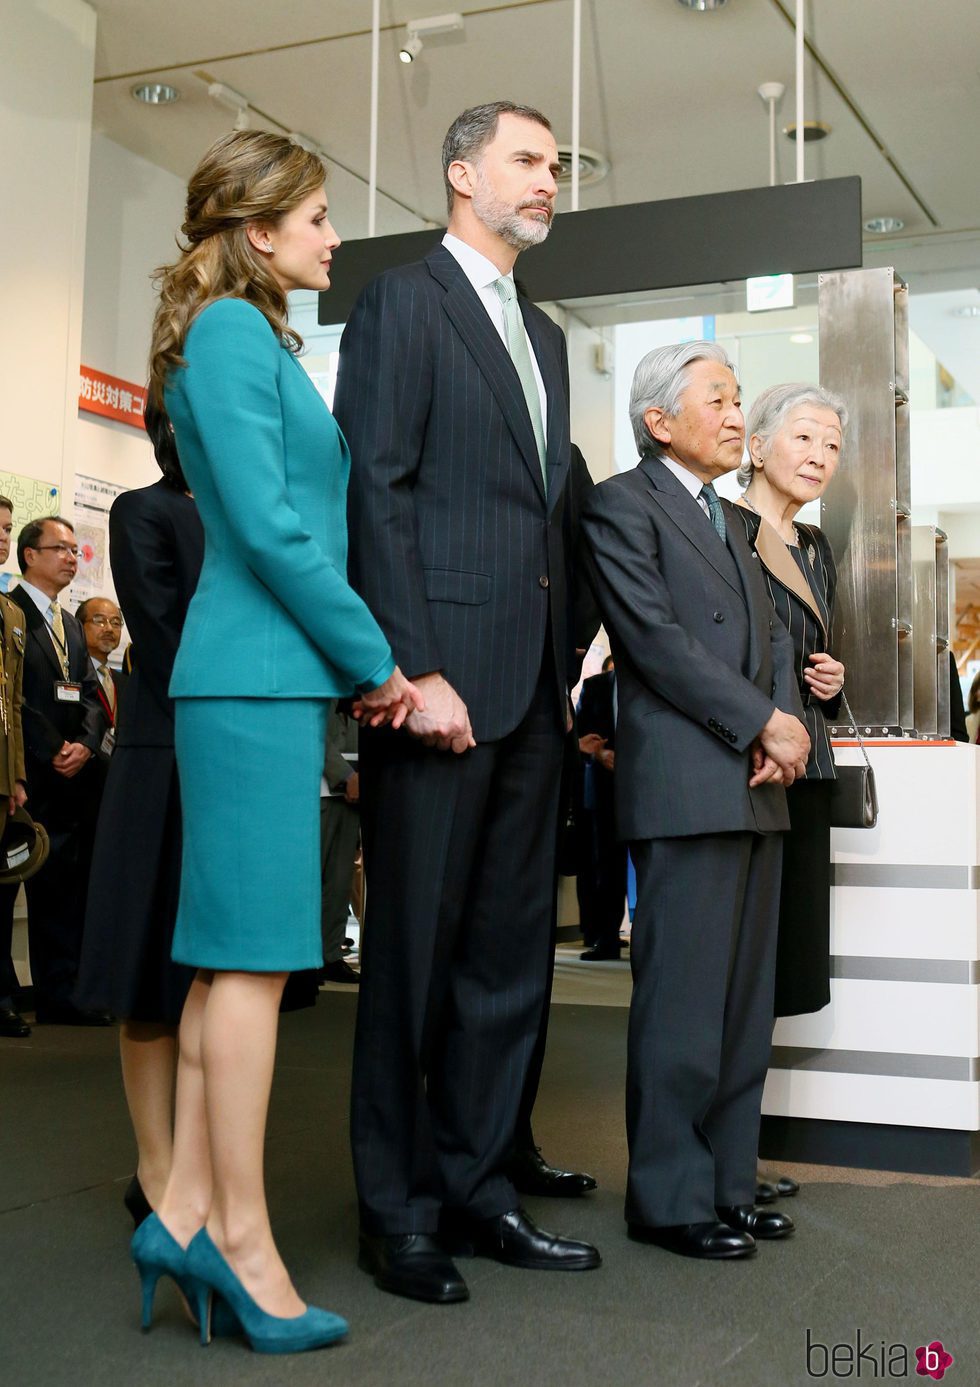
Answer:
[(453, 545), (701, 659)]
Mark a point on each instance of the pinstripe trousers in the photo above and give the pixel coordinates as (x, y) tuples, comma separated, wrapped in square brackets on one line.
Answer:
[(459, 854)]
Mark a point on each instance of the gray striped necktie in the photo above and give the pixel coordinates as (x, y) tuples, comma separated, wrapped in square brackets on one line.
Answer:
[(717, 515), (521, 357)]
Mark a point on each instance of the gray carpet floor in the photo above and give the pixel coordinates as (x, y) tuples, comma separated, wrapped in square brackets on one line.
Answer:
[(896, 1263)]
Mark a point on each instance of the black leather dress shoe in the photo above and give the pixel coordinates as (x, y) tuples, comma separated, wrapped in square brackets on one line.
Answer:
[(340, 971), (12, 1024), (786, 1187), (765, 1193), (66, 1014), (711, 1241), (598, 955), (760, 1223), (517, 1241), (530, 1173), (412, 1265)]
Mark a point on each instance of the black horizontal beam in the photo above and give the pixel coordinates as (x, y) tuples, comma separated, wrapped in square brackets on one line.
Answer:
[(717, 237)]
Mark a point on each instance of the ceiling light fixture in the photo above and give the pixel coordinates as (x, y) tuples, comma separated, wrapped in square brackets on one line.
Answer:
[(880, 226), (703, 5), (304, 142), (967, 310), (417, 29), (592, 166), (232, 101), (155, 93), (801, 339), (813, 130)]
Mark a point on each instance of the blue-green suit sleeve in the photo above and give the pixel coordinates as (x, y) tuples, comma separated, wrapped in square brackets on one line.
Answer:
[(231, 385)]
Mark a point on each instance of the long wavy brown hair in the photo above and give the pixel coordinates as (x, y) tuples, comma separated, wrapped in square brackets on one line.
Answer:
[(246, 176)]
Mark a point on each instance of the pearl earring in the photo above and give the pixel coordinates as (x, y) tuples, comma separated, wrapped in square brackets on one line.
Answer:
[(268, 246)]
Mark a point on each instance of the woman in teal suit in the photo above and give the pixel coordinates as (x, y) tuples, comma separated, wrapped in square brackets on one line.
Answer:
[(272, 633)]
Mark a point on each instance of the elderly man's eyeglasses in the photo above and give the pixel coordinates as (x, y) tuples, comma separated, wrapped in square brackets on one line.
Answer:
[(71, 549), (115, 622)]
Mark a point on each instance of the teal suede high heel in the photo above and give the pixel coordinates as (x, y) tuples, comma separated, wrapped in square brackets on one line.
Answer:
[(157, 1253), (266, 1333)]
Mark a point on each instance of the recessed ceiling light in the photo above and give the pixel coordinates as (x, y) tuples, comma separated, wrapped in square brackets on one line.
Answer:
[(592, 166), (967, 310), (880, 226), (802, 339), (813, 130), (703, 5), (155, 94)]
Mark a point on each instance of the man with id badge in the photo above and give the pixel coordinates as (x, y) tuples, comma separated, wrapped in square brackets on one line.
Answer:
[(64, 727)]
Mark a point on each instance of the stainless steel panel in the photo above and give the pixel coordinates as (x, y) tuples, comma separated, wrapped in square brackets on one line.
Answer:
[(859, 511), (903, 507), (926, 668)]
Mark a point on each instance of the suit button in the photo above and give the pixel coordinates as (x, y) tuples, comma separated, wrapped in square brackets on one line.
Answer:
[(718, 616), (543, 581), (713, 725), (732, 737)]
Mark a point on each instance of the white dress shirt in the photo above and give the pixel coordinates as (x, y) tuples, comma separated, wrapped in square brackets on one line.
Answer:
[(687, 480), (482, 274)]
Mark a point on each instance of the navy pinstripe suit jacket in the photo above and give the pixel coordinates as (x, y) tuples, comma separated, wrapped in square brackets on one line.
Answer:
[(461, 556)]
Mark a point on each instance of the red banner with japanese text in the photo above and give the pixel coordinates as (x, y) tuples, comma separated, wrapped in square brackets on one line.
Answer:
[(111, 397)]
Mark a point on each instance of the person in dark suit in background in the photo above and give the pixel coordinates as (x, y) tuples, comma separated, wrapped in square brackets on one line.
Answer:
[(340, 835), (64, 734), (453, 395), (604, 864), (102, 623), (709, 729), (156, 546), (13, 774)]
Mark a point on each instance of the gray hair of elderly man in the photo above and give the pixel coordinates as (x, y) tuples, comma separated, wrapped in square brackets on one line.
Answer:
[(771, 409), (660, 380)]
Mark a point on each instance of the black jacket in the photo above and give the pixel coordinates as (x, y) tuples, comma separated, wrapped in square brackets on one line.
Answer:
[(156, 546)]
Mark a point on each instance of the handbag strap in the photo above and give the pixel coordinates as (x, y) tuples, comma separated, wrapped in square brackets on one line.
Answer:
[(851, 719)]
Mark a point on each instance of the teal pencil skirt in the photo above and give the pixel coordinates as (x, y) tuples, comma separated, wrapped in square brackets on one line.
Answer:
[(250, 773)]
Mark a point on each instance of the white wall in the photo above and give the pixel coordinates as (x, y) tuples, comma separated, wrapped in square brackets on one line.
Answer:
[(47, 61), (134, 212), (592, 394)]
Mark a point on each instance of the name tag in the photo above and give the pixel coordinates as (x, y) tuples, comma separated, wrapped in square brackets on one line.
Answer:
[(68, 693), (108, 742)]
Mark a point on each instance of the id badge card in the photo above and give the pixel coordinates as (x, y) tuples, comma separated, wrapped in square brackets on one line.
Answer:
[(67, 693), (108, 742)]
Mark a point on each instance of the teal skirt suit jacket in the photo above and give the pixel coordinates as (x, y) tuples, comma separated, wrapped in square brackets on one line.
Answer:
[(273, 632)]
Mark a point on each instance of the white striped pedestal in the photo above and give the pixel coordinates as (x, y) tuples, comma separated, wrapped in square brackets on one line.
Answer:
[(888, 1075)]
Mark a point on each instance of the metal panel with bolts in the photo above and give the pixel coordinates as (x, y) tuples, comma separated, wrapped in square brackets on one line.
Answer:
[(924, 653), (865, 511)]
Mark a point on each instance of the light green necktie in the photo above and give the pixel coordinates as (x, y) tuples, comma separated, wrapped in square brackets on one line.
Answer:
[(521, 357), (715, 512)]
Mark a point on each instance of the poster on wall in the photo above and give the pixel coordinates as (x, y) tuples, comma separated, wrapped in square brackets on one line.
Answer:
[(31, 498), (93, 498)]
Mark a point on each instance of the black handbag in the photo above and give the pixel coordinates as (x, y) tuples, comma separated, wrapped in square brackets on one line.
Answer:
[(854, 798)]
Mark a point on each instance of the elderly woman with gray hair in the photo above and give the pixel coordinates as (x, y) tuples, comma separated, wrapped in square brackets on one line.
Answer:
[(796, 434)]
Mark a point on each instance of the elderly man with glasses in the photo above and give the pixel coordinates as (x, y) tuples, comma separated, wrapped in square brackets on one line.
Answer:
[(65, 731), (102, 623)]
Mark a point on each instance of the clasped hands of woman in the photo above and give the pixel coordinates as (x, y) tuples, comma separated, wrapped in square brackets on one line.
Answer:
[(826, 679)]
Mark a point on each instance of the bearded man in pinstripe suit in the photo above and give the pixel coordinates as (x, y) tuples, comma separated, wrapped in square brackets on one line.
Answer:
[(453, 395)]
